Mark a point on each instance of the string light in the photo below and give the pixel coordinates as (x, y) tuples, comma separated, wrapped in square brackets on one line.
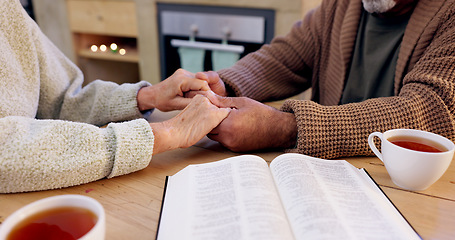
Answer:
[(94, 48), (103, 48), (114, 47)]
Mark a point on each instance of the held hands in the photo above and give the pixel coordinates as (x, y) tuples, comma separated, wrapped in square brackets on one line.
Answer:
[(252, 125), (214, 81), (169, 94), (189, 126), (240, 124), (199, 115)]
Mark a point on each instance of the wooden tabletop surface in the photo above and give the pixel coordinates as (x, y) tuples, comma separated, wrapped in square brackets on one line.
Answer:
[(132, 202)]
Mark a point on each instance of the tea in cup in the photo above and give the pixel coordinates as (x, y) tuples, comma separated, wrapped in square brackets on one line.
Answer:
[(414, 159), (59, 217)]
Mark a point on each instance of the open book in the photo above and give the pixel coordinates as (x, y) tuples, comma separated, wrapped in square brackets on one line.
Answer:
[(297, 197)]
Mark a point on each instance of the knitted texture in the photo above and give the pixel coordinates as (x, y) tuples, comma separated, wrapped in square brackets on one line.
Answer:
[(48, 123), (317, 53)]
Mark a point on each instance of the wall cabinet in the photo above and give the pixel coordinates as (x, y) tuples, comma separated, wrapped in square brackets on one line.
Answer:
[(97, 23), (115, 18)]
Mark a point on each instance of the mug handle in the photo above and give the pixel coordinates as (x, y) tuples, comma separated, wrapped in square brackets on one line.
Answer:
[(373, 146)]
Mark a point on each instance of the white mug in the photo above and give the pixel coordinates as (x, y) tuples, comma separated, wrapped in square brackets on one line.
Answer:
[(411, 169), (97, 232)]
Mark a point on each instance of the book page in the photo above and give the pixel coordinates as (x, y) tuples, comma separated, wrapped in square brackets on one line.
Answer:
[(389, 209), (327, 199), (233, 198)]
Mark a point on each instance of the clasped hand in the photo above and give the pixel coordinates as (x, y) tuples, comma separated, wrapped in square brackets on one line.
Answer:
[(238, 123), (198, 117), (251, 125)]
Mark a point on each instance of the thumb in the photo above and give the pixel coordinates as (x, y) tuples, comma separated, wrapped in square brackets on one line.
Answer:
[(192, 94), (180, 103), (202, 76), (221, 102), (222, 113), (210, 76), (194, 85)]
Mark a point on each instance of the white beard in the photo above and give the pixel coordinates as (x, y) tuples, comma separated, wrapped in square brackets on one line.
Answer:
[(378, 6)]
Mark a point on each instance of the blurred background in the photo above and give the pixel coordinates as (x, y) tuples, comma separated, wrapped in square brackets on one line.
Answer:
[(133, 40)]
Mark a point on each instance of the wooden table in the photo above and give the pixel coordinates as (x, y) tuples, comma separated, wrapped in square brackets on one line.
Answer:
[(132, 202)]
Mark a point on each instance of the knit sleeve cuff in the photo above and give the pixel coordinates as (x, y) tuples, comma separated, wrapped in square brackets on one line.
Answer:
[(329, 131), (123, 103), (130, 146), (232, 89), (312, 127), (288, 107)]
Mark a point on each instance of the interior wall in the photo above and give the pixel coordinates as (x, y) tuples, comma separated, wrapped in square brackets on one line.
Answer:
[(51, 15)]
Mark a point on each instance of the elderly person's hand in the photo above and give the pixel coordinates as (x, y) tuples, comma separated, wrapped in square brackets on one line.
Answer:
[(169, 94), (214, 81), (252, 125), (189, 126)]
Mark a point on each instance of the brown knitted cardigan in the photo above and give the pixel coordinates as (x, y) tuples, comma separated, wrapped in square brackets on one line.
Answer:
[(317, 53)]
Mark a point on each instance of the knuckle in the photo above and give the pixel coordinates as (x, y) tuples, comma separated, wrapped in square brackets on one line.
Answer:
[(181, 71)]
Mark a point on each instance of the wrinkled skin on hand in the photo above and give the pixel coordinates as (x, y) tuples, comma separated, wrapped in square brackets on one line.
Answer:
[(169, 94), (189, 126), (252, 125)]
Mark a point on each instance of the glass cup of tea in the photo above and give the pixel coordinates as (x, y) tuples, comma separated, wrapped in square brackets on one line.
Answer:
[(59, 217), (414, 159)]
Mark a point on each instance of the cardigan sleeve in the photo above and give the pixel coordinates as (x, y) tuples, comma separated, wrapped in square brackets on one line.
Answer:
[(425, 101)]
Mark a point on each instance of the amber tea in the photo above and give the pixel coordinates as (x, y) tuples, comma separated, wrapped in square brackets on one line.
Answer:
[(57, 223), (413, 158), (417, 144)]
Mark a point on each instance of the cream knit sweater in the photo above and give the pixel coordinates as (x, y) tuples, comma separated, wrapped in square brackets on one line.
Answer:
[(48, 124)]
